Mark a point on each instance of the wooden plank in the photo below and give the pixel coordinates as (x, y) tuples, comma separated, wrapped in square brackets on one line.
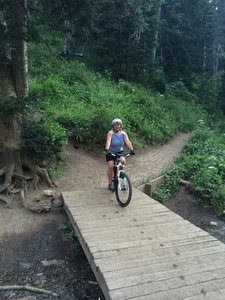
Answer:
[(99, 210), (147, 233), (149, 274), (112, 223), (157, 267), (213, 290), (150, 246), (157, 229), (203, 295), (106, 196), (156, 290), (141, 260), (199, 290), (105, 217), (113, 203), (150, 231), (108, 200), (132, 217), (116, 252)]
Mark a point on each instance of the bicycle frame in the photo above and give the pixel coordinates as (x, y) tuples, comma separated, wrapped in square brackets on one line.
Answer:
[(121, 181), (118, 166)]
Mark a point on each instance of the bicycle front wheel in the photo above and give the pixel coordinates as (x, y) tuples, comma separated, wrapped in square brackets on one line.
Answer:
[(123, 190)]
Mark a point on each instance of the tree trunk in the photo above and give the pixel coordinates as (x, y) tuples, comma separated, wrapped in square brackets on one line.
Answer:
[(156, 36), (67, 38), (47, 6), (10, 127), (218, 43), (19, 46), (203, 89), (13, 84)]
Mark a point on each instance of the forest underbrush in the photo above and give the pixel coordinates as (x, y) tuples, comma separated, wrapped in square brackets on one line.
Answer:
[(201, 166)]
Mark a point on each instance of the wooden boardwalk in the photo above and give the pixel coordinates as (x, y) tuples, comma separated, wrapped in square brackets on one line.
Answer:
[(145, 251)]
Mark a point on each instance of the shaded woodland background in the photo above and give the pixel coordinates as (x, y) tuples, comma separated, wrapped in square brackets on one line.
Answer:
[(175, 45)]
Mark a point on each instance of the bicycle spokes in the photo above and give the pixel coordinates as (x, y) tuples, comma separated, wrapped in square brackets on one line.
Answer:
[(122, 183), (123, 190)]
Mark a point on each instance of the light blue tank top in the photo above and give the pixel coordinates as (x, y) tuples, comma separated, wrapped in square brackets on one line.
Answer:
[(117, 142)]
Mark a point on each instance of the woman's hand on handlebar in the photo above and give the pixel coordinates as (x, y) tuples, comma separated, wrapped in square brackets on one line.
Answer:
[(132, 152)]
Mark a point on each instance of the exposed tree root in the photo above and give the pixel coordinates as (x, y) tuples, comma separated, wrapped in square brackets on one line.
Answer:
[(27, 288), (7, 171), (37, 172), (5, 199), (13, 178)]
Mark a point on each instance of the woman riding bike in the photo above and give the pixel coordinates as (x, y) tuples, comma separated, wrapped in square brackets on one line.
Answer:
[(115, 140)]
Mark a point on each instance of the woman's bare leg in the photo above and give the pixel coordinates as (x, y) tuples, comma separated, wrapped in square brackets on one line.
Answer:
[(123, 160), (110, 171)]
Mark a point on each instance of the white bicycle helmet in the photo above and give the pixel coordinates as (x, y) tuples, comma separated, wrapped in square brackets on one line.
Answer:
[(116, 121)]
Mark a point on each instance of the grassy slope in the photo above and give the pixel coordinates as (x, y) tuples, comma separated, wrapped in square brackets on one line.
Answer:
[(85, 102), (69, 95)]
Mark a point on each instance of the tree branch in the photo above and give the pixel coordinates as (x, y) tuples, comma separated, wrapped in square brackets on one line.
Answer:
[(27, 288)]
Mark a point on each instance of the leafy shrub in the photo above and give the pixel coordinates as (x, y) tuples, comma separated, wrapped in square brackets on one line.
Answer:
[(203, 164), (179, 90), (171, 180), (43, 139)]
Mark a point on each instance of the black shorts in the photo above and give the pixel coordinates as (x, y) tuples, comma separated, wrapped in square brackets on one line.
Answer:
[(109, 156)]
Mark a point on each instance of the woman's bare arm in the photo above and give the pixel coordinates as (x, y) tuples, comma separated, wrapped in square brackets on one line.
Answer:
[(128, 142), (108, 140)]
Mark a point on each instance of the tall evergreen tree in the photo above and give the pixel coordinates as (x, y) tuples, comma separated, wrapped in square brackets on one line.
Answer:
[(119, 35), (187, 30), (218, 51)]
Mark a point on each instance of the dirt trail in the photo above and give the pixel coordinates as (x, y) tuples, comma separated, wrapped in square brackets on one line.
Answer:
[(85, 170)]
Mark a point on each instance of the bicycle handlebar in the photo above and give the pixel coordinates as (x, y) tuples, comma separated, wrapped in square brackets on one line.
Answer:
[(119, 154)]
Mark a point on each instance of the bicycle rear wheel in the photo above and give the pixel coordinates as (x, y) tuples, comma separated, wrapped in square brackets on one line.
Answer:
[(123, 190)]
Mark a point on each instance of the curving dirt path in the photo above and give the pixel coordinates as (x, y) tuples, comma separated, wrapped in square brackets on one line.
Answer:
[(85, 170)]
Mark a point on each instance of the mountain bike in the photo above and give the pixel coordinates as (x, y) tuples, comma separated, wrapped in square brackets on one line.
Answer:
[(121, 183)]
